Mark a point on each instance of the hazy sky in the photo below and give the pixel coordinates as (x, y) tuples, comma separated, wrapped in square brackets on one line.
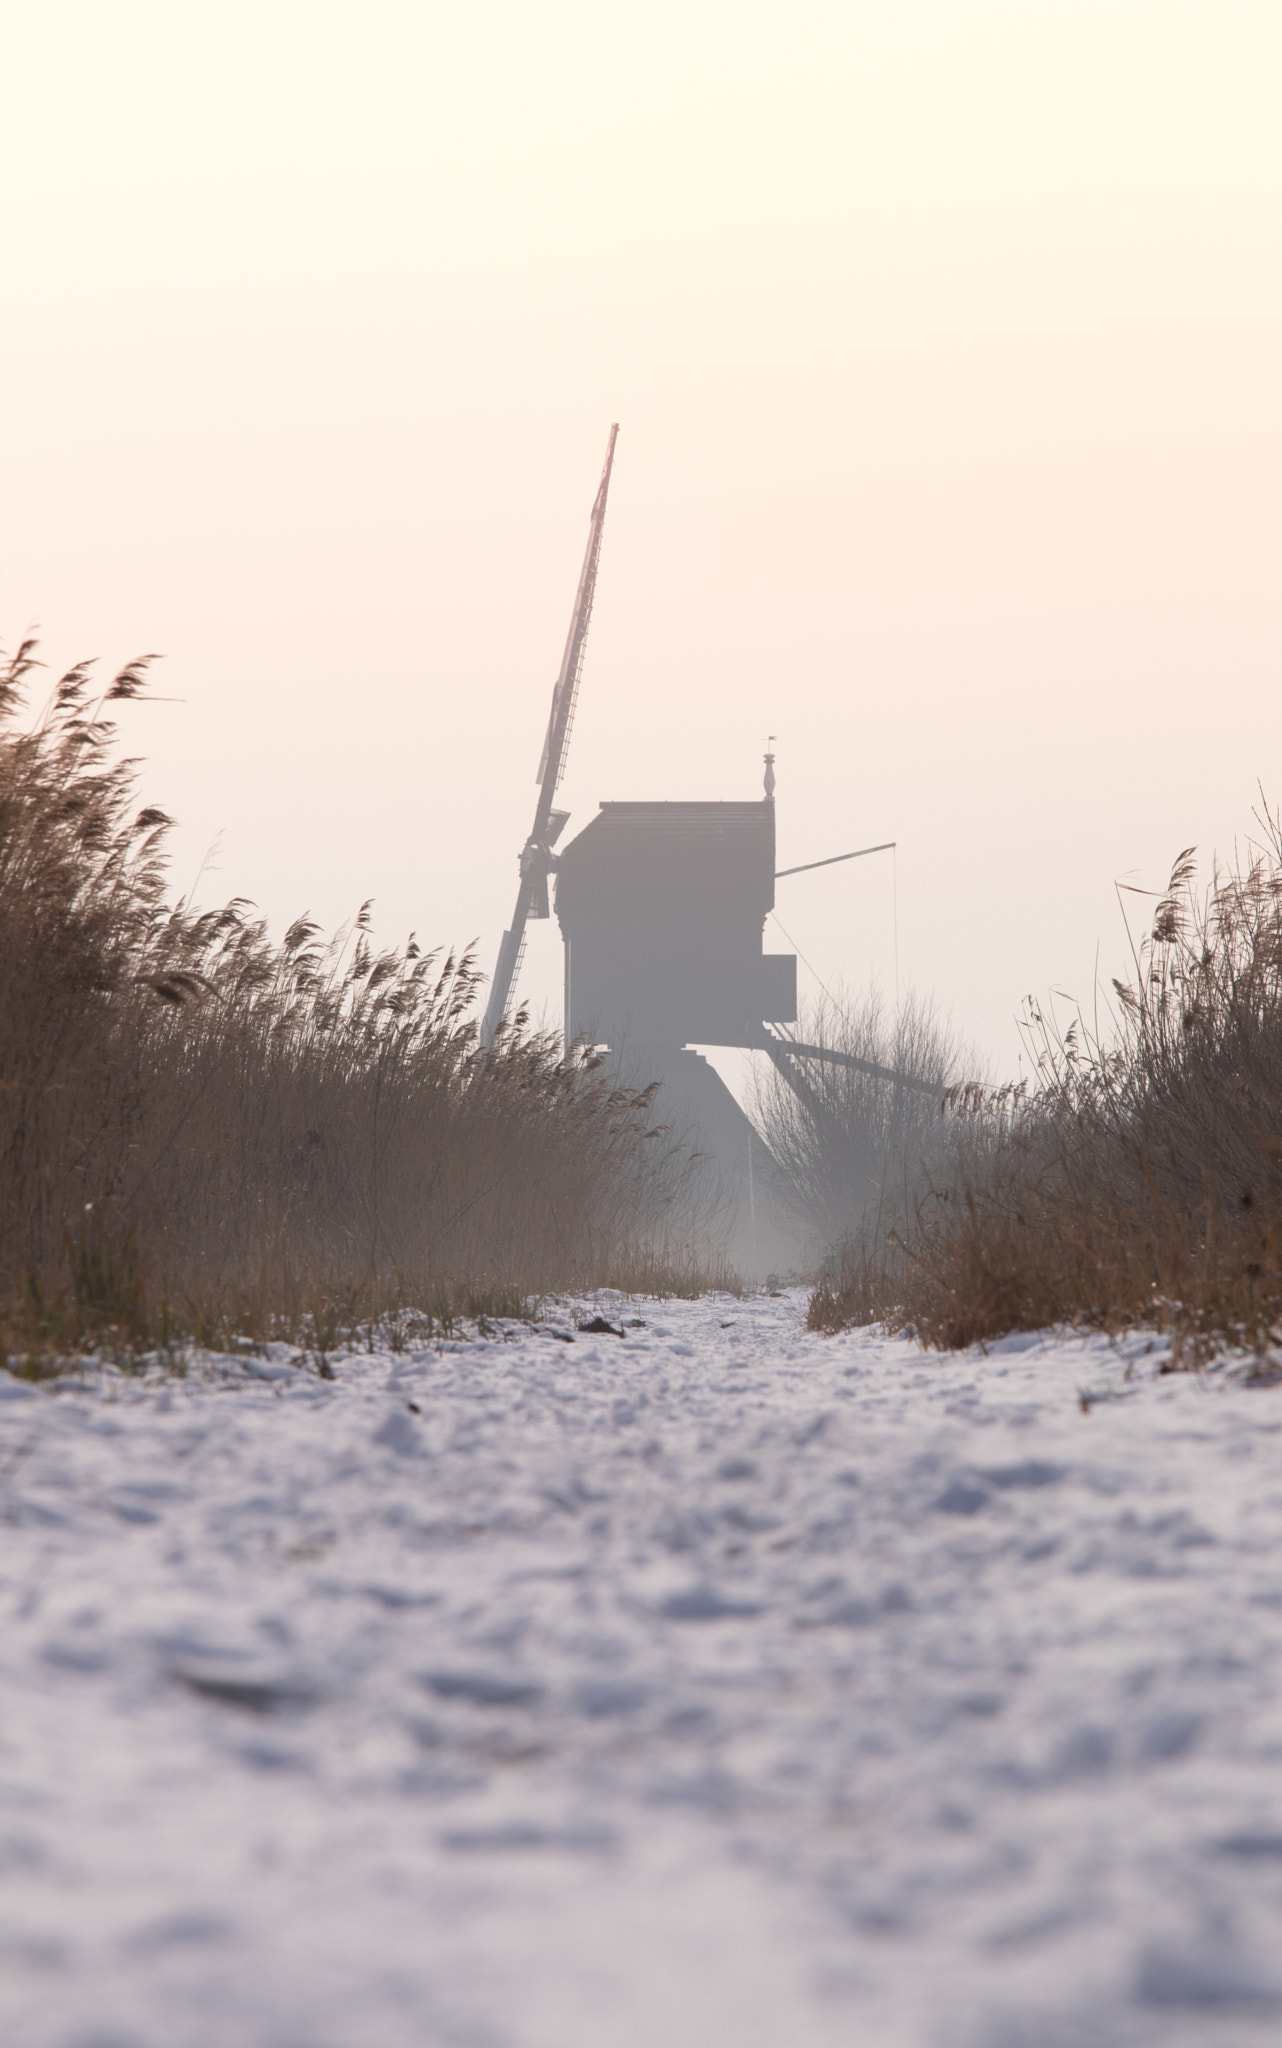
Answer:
[(944, 336)]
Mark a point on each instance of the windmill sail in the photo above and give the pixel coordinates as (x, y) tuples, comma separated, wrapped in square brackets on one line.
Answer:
[(536, 855)]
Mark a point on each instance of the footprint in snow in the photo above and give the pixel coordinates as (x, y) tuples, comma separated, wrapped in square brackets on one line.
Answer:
[(399, 1434)]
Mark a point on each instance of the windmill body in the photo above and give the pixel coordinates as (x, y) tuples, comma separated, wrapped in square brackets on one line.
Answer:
[(662, 907)]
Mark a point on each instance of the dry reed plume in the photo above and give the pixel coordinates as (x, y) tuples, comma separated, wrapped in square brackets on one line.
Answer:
[(1139, 1179), (198, 1122)]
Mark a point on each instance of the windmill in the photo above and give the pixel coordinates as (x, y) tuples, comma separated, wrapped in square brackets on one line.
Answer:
[(662, 908)]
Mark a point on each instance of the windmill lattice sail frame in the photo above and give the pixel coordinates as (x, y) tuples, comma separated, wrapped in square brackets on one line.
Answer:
[(536, 855)]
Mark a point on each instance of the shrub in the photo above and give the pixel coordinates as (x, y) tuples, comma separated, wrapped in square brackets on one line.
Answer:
[(851, 1148)]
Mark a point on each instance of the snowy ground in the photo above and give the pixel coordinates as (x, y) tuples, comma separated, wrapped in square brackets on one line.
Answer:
[(713, 1684)]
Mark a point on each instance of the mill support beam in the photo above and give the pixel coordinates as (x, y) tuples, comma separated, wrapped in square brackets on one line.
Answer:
[(790, 1056)]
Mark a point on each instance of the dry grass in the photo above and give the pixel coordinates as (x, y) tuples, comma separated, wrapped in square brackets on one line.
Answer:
[(1140, 1179), (202, 1129)]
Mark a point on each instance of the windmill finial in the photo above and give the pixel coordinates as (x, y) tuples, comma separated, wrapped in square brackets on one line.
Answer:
[(769, 782)]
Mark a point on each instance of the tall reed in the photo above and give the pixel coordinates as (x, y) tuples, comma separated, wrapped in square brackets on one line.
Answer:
[(1139, 1177), (191, 1111)]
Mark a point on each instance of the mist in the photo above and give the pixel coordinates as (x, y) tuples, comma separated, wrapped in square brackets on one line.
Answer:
[(943, 343)]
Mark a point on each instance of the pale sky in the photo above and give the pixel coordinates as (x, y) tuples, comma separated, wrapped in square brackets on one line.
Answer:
[(944, 336)]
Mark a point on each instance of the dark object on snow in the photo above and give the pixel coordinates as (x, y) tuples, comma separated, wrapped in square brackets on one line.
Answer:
[(704, 1603), (598, 1327), (255, 1695), (482, 1688)]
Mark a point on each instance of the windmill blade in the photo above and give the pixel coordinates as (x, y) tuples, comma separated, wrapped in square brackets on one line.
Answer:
[(565, 695), (536, 855)]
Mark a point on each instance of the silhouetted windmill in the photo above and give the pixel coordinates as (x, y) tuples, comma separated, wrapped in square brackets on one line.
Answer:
[(662, 907)]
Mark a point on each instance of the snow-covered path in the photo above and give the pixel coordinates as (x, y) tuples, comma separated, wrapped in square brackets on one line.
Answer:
[(713, 1684)]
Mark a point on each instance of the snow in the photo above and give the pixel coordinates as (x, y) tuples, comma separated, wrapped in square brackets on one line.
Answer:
[(716, 1683)]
